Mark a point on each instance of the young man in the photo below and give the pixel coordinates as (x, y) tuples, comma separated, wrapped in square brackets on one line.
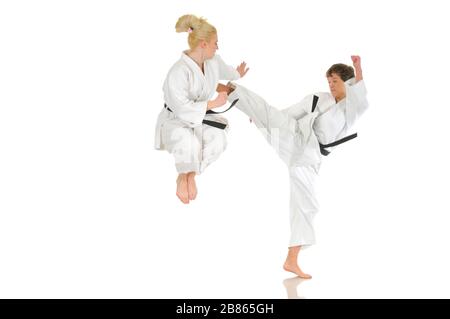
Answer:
[(301, 135)]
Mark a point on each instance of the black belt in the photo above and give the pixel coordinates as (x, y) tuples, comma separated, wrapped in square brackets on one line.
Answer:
[(212, 123), (315, 100), (323, 147)]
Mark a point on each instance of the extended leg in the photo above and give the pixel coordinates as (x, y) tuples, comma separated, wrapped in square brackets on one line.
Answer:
[(288, 136)]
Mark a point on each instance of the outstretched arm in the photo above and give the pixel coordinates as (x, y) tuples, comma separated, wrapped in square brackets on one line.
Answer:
[(356, 59)]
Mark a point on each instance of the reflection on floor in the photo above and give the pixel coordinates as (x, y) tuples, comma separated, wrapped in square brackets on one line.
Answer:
[(291, 285)]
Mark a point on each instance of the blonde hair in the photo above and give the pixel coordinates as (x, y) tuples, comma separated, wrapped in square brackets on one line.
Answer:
[(198, 29)]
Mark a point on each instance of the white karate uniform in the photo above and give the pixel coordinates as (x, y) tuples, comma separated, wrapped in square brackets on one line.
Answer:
[(296, 134), (180, 131)]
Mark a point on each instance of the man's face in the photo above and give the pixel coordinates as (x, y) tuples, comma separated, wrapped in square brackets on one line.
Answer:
[(337, 86)]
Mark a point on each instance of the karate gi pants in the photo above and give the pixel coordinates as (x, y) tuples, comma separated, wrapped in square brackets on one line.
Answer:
[(292, 139), (194, 149)]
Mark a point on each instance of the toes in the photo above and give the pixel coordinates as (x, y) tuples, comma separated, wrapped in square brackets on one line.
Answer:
[(194, 193), (192, 189), (183, 198), (301, 274), (191, 192)]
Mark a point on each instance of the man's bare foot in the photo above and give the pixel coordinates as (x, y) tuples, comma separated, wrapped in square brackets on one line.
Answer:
[(231, 86), (192, 187), (182, 188), (223, 88), (293, 267)]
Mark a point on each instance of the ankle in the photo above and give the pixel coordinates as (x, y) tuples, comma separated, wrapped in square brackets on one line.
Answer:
[(231, 87), (289, 261)]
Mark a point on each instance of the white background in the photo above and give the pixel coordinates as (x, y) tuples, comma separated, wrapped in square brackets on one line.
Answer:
[(88, 207)]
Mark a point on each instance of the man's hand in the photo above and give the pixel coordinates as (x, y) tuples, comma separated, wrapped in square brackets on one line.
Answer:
[(242, 69), (356, 59)]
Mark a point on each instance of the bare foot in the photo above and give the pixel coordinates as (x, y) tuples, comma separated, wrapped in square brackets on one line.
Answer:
[(182, 188), (293, 267), (192, 187), (223, 88)]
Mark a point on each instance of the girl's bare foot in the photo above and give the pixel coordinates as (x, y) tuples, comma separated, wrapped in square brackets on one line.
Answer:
[(192, 187), (182, 188)]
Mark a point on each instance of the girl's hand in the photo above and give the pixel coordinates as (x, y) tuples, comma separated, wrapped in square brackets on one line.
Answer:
[(220, 100), (242, 69)]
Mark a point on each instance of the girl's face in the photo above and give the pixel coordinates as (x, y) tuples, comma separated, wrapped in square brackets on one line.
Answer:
[(210, 47), (337, 86)]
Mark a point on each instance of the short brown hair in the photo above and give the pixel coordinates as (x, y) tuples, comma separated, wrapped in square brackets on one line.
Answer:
[(344, 71)]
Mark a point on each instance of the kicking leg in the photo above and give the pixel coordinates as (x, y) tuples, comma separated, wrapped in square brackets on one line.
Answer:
[(280, 130)]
